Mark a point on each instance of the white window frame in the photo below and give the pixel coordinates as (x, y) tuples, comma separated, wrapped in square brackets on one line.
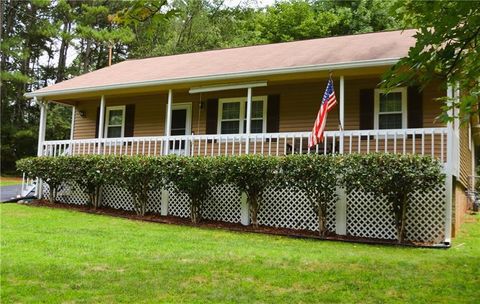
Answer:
[(376, 106), (243, 109), (107, 118)]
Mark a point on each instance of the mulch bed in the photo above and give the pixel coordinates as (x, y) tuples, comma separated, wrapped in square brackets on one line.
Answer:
[(209, 224)]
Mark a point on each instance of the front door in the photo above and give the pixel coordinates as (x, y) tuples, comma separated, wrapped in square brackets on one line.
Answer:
[(180, 125)]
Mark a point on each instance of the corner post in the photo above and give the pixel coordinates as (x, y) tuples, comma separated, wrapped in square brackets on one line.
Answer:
[(101, 122), (244, 212), (41, 138), (449, 168), (72, 129), (249, 119), (342, 112), (168, 127)]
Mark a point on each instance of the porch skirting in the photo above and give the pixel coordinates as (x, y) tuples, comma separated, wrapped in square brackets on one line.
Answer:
[(356, 214)]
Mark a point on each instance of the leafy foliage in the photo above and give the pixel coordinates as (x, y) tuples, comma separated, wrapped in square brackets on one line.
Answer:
[(91, 173), (447, 49), (140, 175), (193, 176), (317, 176), (394, 177), (251, 174), (54, 171)]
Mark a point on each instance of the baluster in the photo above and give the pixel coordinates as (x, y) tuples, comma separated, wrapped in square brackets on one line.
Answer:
[(269, 144), (386, 141), (278, 143), (368, 142), (395, 142), (423, 141), (404, 142), (334, 139), (263, 139), (432, 143), (325, 146), (441, 146), (350, 144), (376, 141), (413, 144), (360, 142)]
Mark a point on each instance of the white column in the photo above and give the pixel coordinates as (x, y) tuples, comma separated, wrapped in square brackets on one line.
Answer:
[(449, 168), (342, 111), (41, 138), (244, 212), (249, 119), (72, 126), (101, 121), (42, 126), (168, 127), (341, 212)]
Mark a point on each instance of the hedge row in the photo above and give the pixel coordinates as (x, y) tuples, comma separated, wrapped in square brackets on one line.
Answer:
[(394, 177)]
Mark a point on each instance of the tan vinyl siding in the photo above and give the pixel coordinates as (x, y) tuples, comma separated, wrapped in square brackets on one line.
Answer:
[(299, 103)]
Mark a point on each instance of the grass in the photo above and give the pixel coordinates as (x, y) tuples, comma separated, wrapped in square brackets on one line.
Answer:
[(51, 256), (10, 181)]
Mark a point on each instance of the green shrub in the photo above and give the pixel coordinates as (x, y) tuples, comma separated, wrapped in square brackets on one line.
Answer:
[(251, 174), (140, 175), (54, 171), (394, 177), (316, 175), (91, 173), (193, 176)]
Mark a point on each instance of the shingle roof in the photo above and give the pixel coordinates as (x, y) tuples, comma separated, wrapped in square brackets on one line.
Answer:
[(244, 61)]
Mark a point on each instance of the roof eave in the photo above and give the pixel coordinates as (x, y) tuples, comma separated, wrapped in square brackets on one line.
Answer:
[(226, 76)]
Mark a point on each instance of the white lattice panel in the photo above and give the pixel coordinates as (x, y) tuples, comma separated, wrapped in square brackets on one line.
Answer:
[(178, 204), (68, 194), (223, 204), (371, 217), (117, 198), (289, 208), (426, 216), (155, 201), (368, 216)]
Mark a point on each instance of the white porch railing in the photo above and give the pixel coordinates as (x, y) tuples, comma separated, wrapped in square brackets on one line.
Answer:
[(428, 141)]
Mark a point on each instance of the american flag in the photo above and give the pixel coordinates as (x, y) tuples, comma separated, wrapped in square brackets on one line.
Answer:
[(328, 102)]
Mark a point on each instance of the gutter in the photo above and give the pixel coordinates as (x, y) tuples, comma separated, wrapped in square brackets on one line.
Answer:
[(226, 76)]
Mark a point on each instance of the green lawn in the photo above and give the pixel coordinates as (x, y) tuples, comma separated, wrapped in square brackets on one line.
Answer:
[(10, 181), (53, 256)]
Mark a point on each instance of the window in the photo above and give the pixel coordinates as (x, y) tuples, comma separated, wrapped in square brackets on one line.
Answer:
[(232, 115), (115, 121), (391, 109)]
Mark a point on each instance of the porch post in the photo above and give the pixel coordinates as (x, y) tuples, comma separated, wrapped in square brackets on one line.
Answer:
[(101, 121), (449, 167), (342, 111), (72, 126), (42, 126), (41, 138), (168, 128), (249, 119)]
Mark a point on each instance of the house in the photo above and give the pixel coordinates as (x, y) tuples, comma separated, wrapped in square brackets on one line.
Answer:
[(264, 99)]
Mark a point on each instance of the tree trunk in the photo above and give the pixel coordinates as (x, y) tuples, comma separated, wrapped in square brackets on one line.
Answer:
[(253, 206), (86, 59), (322, 221), (195, 211), (62, 59), (403, 220)]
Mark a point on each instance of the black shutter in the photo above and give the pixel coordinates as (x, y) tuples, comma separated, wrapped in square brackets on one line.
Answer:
[(414, 108), (212, 116), (97, 121), (366, 109), (129, 120), (273, 113)]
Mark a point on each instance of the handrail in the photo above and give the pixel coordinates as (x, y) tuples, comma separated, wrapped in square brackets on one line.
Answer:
[(423, 141)]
